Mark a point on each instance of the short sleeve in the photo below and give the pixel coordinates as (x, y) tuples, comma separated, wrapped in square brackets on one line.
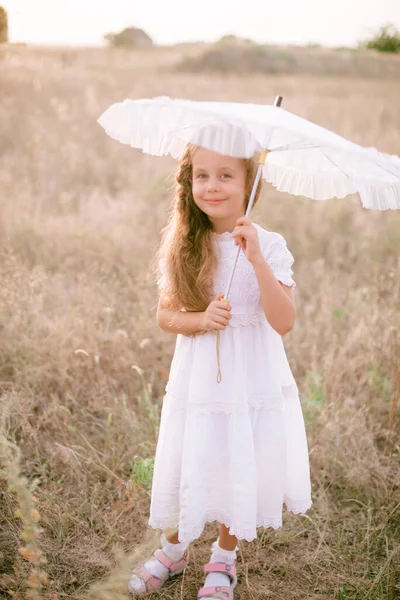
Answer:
[(161, 282), (280, 260)]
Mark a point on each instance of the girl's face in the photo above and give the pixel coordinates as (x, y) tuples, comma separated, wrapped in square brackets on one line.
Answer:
[(219, 187)]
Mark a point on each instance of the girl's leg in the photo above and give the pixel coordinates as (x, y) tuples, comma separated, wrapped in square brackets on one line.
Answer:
[(226, 541), (172, 537), (174, 550), (223, 550)]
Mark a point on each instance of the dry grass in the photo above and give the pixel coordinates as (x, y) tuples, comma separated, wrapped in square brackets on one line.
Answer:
[(246, 58), (83, 364)]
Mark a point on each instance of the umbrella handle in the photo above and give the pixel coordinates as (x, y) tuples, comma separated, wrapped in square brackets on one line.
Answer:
[(261, 162), (248, 211), (228, 287)]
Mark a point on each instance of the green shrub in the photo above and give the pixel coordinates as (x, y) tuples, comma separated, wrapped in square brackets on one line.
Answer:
[(386, 40), (3, 26)]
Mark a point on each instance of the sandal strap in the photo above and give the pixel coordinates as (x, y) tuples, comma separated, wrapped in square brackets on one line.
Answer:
[(150, 581), (220, 567), (217, 592), (163, 558), (168, 562)]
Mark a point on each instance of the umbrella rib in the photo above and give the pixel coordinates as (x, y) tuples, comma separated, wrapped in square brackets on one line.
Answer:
[(296, 146), (214, 119), (337, 166), (367, 157), (383, 168)]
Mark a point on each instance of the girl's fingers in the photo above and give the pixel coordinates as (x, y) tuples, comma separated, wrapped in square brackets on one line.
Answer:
[(223, 319), (219, 312), (222, 322), (223, 305), (244, 221), (219, 325), (220, 317), (222, 313), (243, 232)]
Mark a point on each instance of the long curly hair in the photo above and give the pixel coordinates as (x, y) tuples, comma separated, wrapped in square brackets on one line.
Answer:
[(186, 248)]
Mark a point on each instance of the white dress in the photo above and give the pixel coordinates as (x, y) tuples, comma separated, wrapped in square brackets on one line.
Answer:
[(233, 451)]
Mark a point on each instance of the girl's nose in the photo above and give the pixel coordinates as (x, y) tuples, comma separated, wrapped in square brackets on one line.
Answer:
[(212, 186)]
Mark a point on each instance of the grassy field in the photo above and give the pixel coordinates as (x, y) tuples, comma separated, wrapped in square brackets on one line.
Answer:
[(83, 364)]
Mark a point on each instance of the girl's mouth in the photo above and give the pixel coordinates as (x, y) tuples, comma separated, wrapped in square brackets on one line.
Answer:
[(214, 201)]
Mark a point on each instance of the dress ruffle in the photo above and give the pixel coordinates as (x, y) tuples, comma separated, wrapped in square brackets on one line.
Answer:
[(172, 522), (237, 468), (232, 452)]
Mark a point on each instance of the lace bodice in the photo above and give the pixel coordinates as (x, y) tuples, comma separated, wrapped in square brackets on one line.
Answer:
[(244, 294)]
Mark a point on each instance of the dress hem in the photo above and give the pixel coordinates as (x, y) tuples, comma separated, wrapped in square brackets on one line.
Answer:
[(248, 534)]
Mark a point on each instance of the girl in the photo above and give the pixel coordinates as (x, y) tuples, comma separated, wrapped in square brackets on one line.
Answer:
[(231, 448)]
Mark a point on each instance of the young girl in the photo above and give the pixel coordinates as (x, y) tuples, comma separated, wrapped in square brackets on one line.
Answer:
[(231, 448)]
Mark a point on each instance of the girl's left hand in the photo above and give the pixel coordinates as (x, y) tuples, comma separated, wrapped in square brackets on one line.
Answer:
[(245, 235)]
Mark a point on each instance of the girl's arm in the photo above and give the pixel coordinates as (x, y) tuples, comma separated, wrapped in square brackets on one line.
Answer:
[(276, 298), (216, 316), (179, 321)]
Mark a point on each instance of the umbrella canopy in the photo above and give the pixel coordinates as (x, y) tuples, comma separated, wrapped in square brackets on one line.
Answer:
[(303, 159)]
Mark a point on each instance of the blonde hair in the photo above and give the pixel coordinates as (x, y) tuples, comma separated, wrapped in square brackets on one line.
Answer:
[(186, 241)]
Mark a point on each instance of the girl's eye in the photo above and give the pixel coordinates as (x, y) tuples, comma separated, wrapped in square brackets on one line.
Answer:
[(201, 175), (226, 175)]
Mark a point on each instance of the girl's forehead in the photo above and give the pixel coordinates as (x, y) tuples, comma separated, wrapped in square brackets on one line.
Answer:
[(204, 157)]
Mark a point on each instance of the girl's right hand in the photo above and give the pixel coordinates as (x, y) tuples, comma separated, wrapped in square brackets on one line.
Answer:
[(218, 314)]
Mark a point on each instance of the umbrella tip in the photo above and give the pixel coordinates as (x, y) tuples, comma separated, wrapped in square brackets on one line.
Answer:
[(278, 101)]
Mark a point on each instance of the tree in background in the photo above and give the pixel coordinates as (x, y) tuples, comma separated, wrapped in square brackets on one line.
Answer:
[(3, 26), (386, 40), (131, 37)]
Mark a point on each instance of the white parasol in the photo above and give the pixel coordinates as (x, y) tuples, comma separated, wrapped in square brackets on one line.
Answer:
[(304, 158)]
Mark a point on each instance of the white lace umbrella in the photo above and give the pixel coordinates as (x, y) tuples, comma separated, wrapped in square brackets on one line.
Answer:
[(303, 158)]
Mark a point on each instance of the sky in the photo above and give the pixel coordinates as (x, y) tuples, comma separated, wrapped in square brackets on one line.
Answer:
[(84, 22)]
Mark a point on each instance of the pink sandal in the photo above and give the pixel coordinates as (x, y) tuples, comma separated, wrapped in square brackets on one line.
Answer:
[(219, 592), (151, 582)]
